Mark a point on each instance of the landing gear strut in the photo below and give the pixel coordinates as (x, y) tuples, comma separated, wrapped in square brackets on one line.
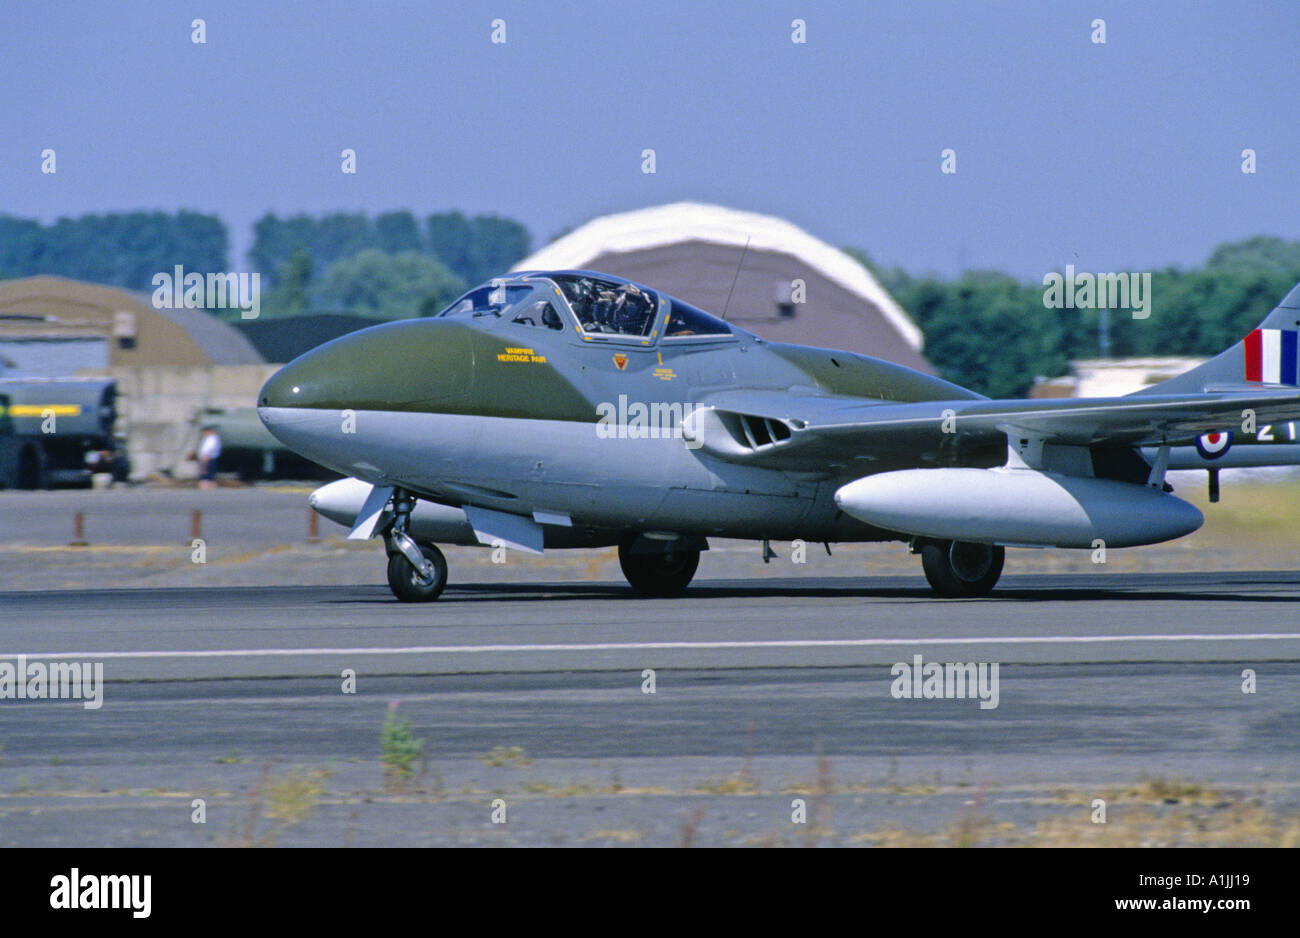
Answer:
[(662, 573), (417, 573), (960, 569)]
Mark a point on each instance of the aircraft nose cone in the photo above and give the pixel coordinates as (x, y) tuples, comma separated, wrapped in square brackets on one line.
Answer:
[(383, 367), (323, 377), (282, 389), (293, 399), (413, 364)]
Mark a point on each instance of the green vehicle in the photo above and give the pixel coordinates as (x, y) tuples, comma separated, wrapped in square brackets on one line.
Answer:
[(60, 431), (8, 444)]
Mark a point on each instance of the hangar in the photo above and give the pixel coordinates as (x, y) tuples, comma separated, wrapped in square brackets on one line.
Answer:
[(789, 286), (169, 365), (55, 327)]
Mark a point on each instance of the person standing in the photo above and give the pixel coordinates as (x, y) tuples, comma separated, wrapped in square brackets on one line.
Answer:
[(209, 453)]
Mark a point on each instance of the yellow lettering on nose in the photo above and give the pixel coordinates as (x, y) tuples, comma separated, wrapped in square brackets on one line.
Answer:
[(525, 355)]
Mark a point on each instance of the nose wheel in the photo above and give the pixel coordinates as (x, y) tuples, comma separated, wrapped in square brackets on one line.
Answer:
[(416, 572), (413, 586)]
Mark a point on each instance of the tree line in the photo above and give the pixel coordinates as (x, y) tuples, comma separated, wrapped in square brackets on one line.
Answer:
[(121, 249), (389, 266), (472, 248), (991, 332)]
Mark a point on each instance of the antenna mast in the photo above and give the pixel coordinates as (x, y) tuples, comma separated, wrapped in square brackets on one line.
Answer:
[(727, 306)]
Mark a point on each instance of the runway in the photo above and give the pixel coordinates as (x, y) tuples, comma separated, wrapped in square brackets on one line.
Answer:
[(176, 634), (536, 693)]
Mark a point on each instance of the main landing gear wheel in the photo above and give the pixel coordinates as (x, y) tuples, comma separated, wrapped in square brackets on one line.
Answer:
[(959, 569), (406, 582), (659, 574)]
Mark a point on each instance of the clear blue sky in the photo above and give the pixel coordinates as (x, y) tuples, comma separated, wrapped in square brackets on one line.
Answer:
[(1122, 156)]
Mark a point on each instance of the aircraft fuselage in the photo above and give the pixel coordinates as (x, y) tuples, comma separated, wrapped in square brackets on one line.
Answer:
[(522, 418)]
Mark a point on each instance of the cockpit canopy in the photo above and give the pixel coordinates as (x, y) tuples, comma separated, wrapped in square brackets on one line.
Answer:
[(601, 306), (491, 299), (685, 320), (604, 307)]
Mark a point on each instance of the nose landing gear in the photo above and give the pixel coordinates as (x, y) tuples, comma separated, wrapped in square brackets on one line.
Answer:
[(409, 584), (416, 572)]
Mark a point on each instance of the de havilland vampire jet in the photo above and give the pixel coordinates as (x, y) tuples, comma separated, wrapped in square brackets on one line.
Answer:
[(561, 409)]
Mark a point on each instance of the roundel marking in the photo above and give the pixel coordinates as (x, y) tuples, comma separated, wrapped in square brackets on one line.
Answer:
[(1214, 445)]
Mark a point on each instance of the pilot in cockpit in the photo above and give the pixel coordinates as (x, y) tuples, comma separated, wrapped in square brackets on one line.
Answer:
[(579, 296), (607, 308), (631, 309)]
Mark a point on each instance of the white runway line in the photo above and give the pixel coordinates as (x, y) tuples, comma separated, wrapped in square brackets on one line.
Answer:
[(664, 646)]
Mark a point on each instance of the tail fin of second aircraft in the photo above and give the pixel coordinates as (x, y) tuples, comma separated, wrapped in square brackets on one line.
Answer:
[(1267, 356)]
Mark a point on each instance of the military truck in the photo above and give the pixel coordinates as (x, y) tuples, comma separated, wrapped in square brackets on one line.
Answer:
[(8, 443)]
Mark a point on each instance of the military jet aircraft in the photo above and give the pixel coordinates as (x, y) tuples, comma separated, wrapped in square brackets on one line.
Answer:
[(573, 409)]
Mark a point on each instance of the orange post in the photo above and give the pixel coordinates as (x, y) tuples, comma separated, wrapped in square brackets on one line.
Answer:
[(78, 531)]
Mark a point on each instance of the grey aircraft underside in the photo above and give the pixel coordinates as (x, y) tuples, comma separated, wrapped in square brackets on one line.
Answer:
[(559, 409)]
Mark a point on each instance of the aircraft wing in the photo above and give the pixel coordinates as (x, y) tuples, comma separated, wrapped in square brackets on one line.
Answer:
[(772, 431)]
